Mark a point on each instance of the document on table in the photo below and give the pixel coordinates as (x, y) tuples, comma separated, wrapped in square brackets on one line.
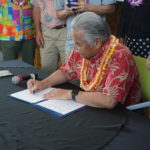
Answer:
[(57, 107), (5, 73), (27, 96)]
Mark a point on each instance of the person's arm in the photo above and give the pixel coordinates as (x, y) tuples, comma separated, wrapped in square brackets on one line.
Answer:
[(62, 9), (96, 99), (37, 23), (37, 18), (55, 78), (103, 9), (64, 13), (93, 99), (99, 9), (63, 75), (82, 7)]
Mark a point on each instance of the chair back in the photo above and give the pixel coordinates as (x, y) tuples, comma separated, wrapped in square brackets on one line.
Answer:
[(144, 75)]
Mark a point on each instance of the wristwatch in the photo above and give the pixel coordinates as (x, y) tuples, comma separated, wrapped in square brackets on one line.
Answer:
[(74, 93)]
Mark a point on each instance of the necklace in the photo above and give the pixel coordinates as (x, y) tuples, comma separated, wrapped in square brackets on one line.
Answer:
[(135, 3), (99, 76)]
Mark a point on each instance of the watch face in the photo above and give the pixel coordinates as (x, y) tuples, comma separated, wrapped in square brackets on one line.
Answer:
[(74, 94)]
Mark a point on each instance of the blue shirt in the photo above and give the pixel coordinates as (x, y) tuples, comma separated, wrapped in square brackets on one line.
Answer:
[(60, 5)]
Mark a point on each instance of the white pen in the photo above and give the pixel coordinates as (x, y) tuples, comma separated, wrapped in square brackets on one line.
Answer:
[(33, 77), (34, 80)]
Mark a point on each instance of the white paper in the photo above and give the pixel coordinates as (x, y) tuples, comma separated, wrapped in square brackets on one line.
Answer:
[(25, 95), (4, 73), (60, 106)]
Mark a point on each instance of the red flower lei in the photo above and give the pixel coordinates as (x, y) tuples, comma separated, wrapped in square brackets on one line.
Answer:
[(92, 86)]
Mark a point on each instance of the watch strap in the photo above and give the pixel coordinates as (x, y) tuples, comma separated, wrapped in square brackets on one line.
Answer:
[(74, 93)]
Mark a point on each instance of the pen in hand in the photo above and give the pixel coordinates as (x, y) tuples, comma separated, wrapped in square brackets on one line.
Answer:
[(34, 85), (34, 82)]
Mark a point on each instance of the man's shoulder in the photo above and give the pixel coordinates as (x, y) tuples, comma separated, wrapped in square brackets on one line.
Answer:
[(75, 56), (122, 51)]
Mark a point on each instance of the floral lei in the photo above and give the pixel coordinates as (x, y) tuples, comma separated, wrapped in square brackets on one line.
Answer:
[(135, 3), (99, 76), (19, 2)]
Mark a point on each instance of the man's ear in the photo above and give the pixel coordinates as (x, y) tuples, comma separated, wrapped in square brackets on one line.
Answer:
[(98, 43)]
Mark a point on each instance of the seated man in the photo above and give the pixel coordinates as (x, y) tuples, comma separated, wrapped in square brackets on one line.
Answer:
[(105, 68)]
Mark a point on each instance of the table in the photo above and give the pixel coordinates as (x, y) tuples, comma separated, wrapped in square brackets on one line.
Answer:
[(23, 127)]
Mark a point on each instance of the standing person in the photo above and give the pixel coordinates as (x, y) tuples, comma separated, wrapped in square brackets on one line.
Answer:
[(50, 34), (100, 7), (134, 27), (17, 35)]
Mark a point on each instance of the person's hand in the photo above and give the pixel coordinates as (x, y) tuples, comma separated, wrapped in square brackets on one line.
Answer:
[(39, 39), (81, 6), (34, 85), (58, 94), (148, 62), (69, 11)]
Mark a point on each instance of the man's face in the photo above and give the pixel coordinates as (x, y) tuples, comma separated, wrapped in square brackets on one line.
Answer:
[(85, 50)]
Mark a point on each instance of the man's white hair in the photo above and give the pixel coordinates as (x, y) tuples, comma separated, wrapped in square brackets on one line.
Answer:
[(92, 25)]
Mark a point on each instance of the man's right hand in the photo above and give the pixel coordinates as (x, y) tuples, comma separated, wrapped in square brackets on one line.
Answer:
[(39, 39), (34, 85)]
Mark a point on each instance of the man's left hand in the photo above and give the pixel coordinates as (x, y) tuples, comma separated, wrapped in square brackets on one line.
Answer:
[(58, 94)]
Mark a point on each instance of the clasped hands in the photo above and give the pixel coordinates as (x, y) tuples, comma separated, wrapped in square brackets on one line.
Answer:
[(80, 7), (57, 93)]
